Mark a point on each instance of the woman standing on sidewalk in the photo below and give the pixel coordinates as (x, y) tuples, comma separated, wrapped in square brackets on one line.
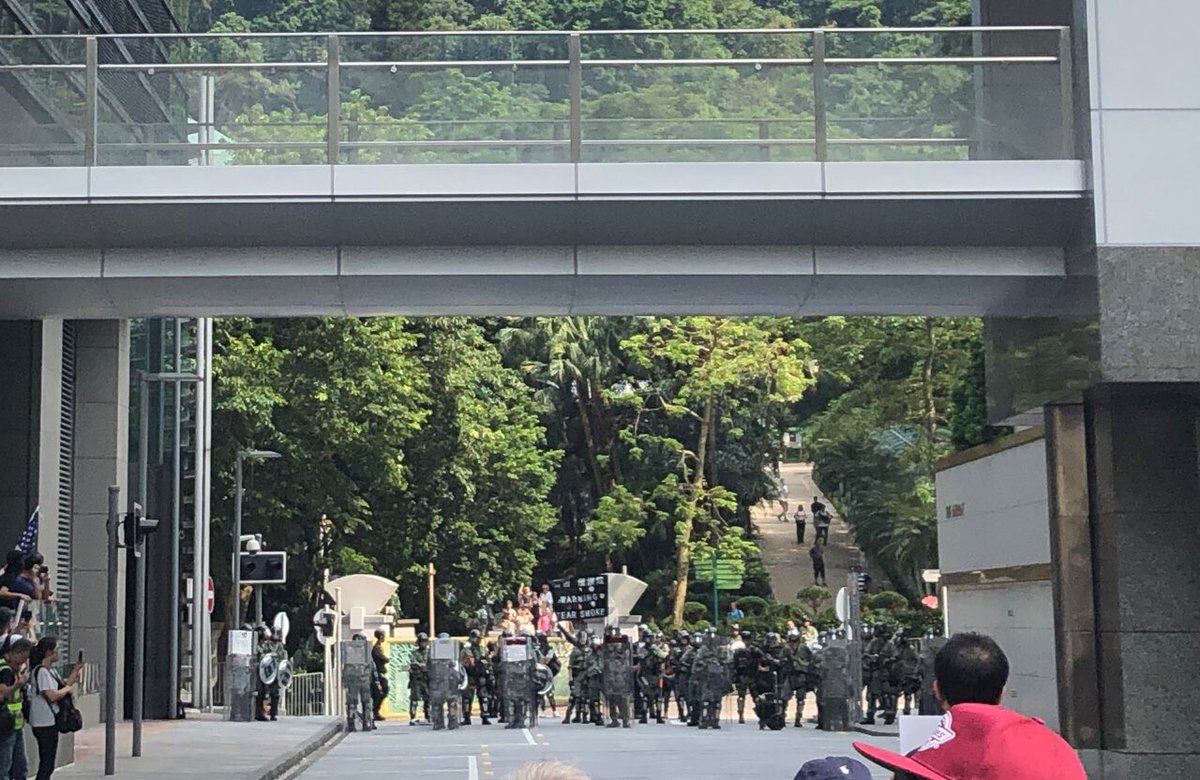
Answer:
[(48, 689)]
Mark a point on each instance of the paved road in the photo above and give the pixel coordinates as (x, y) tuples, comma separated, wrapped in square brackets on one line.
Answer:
[(652, 752), (788, 563)]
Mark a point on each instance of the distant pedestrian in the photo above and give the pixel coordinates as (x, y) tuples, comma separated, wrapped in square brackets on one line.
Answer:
[(801, 523), (977, 737), (783, 502), (821, 523), (834, 768), (818, 563), (736, 613)]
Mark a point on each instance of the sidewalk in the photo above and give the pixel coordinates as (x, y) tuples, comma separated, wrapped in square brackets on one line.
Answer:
[(202, 746)]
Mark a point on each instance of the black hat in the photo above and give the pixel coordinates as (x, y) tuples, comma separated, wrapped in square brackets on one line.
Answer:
[(834, 768)]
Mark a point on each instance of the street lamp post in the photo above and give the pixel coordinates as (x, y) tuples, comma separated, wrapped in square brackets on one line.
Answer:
[(237, 527)]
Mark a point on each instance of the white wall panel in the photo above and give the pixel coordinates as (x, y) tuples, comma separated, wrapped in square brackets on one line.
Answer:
[(1151, 166), (1005, 513), (1148, 53), (1020, 616)]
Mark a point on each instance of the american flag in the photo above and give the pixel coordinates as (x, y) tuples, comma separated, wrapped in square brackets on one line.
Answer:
[(29, 537)]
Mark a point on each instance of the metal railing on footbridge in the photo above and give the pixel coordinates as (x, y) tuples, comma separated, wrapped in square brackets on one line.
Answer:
[(532, 96)]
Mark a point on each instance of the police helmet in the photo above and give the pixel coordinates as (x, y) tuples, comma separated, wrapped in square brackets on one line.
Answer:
[(793, 634), (681, 634), (771, 638), (697, 639), (597, 641), (658, 636), (746, 635), (474, 636)]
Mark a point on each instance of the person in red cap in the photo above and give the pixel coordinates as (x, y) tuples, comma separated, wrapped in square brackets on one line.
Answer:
[(978, 739)]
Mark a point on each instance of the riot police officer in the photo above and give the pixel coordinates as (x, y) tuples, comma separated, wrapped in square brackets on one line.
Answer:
[(550, 659), (357, 671), (800, 676), (479, 678), (879, 659), (710, 679), (681, 662), (745, 666), (268, 645), (617, 676), (650, 662), (577, 665), (907, 678), (418, 678), (670, 676)]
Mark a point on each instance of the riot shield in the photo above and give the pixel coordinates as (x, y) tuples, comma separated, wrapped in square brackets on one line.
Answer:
[(837, 690), (356, 659), (713, 676), (617, 660), (518, 666), (446, 680)]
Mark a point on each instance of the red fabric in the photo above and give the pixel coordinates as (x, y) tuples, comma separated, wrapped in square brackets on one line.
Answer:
[(985, 742)]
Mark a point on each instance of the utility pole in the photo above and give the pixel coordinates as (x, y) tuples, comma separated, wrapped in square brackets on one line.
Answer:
[(432, 608)]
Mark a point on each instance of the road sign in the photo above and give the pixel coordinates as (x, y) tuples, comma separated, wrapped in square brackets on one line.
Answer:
[(841, 605), (210, 596), (581, 598), (931, 576)]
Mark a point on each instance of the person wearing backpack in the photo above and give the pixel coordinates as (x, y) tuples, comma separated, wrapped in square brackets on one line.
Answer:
[(13, 678), (48, 690)]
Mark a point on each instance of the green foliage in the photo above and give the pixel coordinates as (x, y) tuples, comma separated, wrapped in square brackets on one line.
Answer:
[(395, 436), (694, 611), (886, 600), (814, 597), (753, 605), (617, 525)]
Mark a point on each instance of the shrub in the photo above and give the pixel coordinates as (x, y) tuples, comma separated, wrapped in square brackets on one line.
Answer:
[(887, 600), (694, 611), (813, 597), (782, 613), (752, 605)]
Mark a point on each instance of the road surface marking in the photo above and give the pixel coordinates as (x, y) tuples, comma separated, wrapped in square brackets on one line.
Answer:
[(528, 737), (472, 768)]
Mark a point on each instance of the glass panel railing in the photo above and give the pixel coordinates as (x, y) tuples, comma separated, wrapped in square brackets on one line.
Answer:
[(511, 97)]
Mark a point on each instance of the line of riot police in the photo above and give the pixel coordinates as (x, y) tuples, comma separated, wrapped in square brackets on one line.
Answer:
[(614, 681), (508, 678), (897, 669)]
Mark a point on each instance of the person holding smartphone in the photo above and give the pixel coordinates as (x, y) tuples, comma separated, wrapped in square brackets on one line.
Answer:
[(48, 689)]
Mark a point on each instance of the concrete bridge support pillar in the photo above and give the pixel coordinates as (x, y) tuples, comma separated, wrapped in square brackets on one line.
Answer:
[(101, 460)]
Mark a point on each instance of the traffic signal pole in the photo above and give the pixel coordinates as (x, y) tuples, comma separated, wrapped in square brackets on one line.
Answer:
[(716, 607)]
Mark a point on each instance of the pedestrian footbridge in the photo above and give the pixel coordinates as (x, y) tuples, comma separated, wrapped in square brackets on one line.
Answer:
[(781, 171)]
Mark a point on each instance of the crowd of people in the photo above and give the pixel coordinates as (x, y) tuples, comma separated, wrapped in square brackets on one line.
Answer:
[(533, 612), (33, 692)]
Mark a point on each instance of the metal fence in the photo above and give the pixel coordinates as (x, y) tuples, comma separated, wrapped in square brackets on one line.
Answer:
[(521, 96), (306, 695)]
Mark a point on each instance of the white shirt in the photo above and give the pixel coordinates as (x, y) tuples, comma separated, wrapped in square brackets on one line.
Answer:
[(547, 598), (41, 712)]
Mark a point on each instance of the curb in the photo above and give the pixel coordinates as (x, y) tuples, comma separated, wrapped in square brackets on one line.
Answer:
[(875, 732), (282, 766)]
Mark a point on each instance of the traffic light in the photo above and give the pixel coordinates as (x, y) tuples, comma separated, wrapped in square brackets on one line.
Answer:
[(263, 568), (324, 624), (138, 526), (862, 581)]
